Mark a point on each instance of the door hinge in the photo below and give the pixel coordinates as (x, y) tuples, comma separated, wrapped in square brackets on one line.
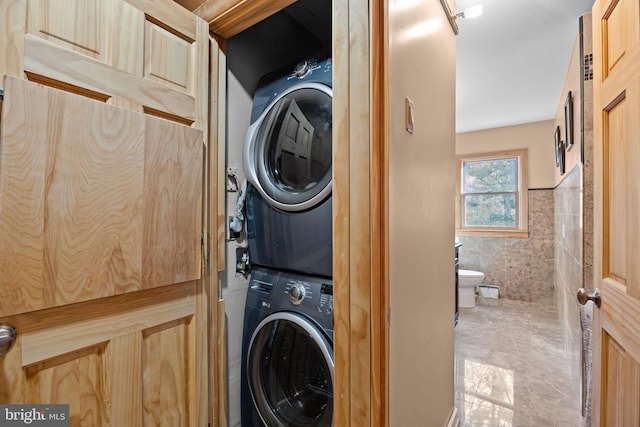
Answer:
[(1, 92)]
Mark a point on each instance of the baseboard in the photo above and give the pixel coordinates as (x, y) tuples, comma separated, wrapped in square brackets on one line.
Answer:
[(454, 421)]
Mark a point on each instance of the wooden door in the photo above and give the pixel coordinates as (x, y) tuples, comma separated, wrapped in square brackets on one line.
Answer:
[(103, 210), (617, 212)]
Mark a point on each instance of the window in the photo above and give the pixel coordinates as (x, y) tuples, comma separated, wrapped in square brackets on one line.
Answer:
[(492, 194)]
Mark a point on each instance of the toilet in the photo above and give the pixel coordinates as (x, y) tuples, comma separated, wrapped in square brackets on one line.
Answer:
[(467, 282)]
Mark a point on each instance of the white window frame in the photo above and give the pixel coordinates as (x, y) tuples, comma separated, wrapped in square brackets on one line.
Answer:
[(521, 229)]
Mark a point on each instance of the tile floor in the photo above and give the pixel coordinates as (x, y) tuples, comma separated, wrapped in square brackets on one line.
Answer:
[(514, 367)]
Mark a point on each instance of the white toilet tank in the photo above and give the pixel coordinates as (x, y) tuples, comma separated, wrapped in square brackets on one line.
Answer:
[(469, 278), (467, 282)]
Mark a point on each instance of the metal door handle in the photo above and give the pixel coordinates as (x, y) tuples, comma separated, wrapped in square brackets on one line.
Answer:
[(7, 338), (584, 296)]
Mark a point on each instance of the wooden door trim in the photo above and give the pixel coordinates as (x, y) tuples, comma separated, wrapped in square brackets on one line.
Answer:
[(360, 220), (379, 36), (360, 185)]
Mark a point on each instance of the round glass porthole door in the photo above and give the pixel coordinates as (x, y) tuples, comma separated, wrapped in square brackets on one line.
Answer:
[(290, 366), (289, 148)]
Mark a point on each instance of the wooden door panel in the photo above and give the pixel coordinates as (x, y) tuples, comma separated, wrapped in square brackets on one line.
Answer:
[(617, 209), (117, 361), (166, 367), (615, 150), (623, 384), (71, 186), (168, 57), (100, 251), (613, 354), (55, 66), (112, 200), (80, 25), (172, 203), (147, 52), (614, 34), (79, 379), (621, 190), (126, 38)]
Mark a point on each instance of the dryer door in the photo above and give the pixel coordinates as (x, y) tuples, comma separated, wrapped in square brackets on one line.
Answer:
[(287, 154), (290, 372)]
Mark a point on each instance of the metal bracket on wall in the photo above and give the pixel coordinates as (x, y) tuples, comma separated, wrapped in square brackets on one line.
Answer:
[(450, 16)]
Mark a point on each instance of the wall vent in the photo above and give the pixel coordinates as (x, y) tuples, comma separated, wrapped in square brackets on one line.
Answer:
[(588, 67)]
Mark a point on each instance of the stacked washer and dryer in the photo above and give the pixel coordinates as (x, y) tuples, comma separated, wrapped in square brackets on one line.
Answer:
[(287, 345)]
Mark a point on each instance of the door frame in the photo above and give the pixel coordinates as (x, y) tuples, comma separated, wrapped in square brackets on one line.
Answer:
[(360, 206)]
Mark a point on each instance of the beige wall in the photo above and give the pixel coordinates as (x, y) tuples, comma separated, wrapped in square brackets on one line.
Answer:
[(421, 215), (571, 83), (536, 137)]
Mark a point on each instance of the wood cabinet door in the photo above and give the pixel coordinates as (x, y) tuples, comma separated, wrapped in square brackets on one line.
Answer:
[(617, 212), (102, 210)]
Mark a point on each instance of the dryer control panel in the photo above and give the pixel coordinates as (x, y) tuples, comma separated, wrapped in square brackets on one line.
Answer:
[(272, 84)]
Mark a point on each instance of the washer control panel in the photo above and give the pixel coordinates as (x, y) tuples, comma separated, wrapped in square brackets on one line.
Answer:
[(297, 292), (326, 299), (316, 296)]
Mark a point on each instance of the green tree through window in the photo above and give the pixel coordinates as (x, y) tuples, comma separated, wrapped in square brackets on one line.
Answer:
[(490, 191)]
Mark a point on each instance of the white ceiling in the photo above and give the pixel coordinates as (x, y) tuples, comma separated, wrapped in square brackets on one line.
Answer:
[(512, 61)]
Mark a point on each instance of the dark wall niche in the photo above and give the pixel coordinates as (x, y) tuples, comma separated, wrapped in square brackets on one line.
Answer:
[(299, 31)]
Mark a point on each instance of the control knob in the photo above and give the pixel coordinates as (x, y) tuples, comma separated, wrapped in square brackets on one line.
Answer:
[(297, 293), (302, 69)]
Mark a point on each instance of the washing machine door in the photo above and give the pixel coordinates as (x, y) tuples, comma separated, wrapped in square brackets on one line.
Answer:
[(290, 372), (287, 153)]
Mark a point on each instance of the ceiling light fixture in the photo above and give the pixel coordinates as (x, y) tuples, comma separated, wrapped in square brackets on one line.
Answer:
[(471, 12)]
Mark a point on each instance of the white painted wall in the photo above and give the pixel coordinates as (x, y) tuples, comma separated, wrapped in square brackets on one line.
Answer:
[(421, 214), (234, 286)]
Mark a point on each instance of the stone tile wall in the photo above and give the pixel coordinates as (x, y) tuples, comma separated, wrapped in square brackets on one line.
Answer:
[(569, 261), (569, 231), (569, 242), (523, 268)]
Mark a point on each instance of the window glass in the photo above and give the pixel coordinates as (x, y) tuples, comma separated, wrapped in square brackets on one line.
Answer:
[(492, 193), (490, 176), (490, 210)]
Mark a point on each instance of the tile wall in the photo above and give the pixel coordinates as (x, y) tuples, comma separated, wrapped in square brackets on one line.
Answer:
[(522, 268), (569, 262)]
